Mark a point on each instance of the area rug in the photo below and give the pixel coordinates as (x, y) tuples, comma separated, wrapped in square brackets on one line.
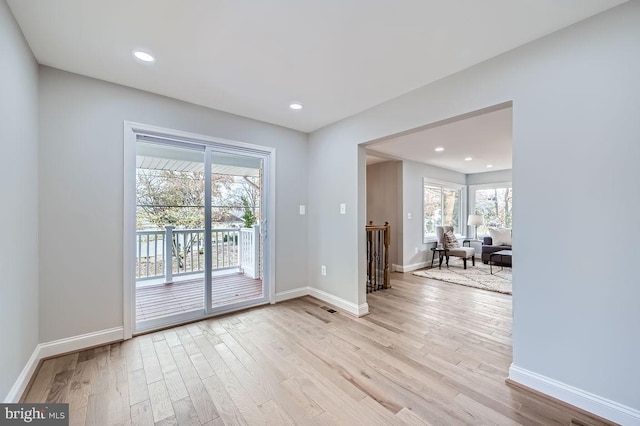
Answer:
[(474, 276)]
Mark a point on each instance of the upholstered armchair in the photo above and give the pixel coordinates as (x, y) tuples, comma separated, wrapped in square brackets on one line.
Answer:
[(447, 239)]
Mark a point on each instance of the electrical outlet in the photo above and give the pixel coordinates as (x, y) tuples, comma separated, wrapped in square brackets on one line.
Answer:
[(343, 208), (416, 250), (302, 209), (408, 215), (323, 270)]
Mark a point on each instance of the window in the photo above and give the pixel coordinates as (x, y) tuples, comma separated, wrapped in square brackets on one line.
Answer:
[(495, 204), (443, 205)]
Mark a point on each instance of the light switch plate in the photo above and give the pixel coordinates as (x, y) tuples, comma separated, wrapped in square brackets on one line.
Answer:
[(302, 209), (343, 208)]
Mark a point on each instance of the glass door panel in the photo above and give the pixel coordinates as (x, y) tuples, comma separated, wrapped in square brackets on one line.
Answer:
[(170, 230), (236, 239)]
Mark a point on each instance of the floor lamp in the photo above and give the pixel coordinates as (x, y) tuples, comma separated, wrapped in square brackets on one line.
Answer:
[(475, 220)]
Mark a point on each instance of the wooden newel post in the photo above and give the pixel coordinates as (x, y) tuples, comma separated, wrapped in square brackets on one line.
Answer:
[(371, 266), (168, 254), (387, 243)]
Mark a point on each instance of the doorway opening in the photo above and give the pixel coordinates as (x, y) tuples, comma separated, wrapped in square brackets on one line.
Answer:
[(455, 176)]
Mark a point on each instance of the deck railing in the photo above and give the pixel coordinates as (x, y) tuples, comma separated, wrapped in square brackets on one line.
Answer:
[(173, 252), (249, 251)]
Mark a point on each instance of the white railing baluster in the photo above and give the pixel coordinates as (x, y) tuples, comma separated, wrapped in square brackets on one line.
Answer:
[(190, 251), (240, 249), (177, 234), (155, 255), (198, 255), (164, 254), (256, 250), (217, 250), (224, 248), (168, 270), (147, 257), (139, 254)]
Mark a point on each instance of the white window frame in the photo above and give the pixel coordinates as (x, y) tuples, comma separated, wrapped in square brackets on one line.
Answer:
[(463, 205), (472, 196)]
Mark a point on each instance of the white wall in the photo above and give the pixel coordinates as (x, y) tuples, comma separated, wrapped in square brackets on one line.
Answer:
[(413, 174), (576, 103), (333, 180), (18, 201), (499, 176), (81, 193), (384, 199)]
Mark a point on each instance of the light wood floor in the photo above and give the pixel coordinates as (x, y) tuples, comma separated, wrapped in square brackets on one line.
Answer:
[(162, 300), (429, 353)]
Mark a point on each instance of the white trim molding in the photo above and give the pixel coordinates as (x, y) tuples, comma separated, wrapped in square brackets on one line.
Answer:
[(83, 341), (363, 309), (281, 296), (338, 302), (584, 400), (59, 347), (22, 382), (412, 267)]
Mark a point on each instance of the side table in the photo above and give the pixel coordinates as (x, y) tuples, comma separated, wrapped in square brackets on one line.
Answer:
[(441, 252)]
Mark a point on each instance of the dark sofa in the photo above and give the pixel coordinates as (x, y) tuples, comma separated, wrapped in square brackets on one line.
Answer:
[(488, 248)]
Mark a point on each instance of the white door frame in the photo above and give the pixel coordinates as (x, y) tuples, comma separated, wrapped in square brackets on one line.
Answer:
[(131, 132)]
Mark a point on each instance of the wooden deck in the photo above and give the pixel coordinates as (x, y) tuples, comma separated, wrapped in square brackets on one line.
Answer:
[(168, 299)]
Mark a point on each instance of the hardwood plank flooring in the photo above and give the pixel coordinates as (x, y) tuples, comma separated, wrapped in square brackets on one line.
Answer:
[(429, 353), (161, 300)]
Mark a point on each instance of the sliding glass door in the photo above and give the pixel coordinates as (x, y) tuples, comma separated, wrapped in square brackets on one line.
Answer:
[(199, 211), (235, 275)]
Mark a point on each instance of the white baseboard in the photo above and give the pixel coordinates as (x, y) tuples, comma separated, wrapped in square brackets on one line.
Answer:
[(412, 267), (83, 341), (587, 401), (59, 347), (338, 302), (363, 309), (292, 294), (345, 305), (21, 383)]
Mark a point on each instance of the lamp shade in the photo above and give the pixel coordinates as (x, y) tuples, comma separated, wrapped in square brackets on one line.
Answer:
[(475, 220)]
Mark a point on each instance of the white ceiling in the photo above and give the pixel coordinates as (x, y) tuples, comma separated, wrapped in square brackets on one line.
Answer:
[(253, 57), (486, 138), (156, 156)]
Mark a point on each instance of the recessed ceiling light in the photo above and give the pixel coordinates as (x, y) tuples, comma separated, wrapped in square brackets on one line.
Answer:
[(295, 105), (489, 166), (468, 159), (143, 56), (439, 149)]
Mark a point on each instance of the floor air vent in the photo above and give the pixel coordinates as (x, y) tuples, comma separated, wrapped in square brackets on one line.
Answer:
[(326, 308)]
